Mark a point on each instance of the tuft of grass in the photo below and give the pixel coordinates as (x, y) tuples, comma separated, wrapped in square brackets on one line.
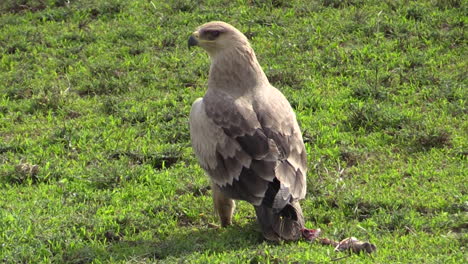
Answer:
[(271, 3), (340, 3), (374, 117), (157, 160), (423, 137)]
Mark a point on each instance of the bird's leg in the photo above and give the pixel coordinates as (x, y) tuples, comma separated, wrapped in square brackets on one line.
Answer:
[(224, 206)]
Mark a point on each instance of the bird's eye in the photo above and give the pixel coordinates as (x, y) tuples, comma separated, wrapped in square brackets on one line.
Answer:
[(215, 33), (212, 34)]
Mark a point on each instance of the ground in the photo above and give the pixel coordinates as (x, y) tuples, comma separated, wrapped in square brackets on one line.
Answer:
[(95, 157)]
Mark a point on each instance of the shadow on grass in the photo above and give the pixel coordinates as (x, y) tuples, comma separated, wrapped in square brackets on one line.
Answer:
[(202, 240), (178, 245)]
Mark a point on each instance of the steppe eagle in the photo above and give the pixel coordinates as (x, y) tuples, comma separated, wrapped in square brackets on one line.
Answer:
[(246, 136)]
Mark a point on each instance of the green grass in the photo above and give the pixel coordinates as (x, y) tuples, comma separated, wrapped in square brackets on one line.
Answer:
[(95, 157)]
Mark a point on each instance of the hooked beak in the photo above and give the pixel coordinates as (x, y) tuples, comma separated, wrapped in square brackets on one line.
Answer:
[(193, 40)]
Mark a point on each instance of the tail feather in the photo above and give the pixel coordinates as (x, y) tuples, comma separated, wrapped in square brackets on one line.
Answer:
[(283, 225)]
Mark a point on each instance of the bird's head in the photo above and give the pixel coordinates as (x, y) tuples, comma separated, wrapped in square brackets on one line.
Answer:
[(217, 36)]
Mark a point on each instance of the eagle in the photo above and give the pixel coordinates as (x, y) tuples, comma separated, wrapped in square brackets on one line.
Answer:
[(245, 136)]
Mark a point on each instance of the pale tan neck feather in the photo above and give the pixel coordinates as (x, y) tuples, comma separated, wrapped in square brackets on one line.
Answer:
[(237, 70)]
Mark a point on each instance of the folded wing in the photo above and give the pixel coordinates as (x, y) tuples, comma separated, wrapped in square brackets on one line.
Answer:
[(250, 147)]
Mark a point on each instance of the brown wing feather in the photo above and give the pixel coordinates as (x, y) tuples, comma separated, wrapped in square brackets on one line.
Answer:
[(268, 136)]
